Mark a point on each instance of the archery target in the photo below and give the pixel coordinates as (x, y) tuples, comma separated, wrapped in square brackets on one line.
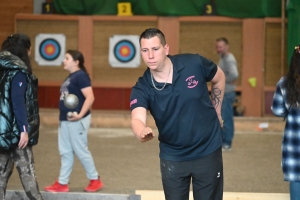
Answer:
[(124, 51), (50, 49)]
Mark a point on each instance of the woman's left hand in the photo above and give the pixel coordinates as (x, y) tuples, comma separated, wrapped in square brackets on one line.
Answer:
[(23, 140), (75, 117)]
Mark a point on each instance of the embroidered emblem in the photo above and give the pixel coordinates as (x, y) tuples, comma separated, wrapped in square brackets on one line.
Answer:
[(20, 83), (191, 82), (134, 101)]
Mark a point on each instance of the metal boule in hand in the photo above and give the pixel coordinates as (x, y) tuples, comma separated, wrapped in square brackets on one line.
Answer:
[(71, 101), (69, 115)]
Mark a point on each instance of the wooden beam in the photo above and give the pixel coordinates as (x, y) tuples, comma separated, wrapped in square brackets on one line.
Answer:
[(208, 19), (170, 27), (253, 63), (45, 17), (124, 18), (85, 42), (282, 36)]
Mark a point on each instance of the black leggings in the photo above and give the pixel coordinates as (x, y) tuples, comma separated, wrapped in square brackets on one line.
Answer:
[(206, 174)]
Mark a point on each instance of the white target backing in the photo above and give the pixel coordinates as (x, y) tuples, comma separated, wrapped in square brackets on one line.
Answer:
[(50, 49), (124, 51)]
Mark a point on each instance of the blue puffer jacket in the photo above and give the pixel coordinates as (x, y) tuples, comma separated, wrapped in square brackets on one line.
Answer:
[(9, 131)]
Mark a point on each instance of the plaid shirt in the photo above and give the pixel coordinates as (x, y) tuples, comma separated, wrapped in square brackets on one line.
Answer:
[(291, 137)]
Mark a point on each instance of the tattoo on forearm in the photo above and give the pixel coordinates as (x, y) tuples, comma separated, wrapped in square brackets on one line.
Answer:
[(216, 96)]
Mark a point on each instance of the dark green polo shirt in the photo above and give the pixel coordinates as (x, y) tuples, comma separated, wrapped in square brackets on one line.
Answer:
[(187, 122)]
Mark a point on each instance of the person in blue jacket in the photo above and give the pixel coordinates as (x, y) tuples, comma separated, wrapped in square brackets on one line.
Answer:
[(19, 114), (174, 89)]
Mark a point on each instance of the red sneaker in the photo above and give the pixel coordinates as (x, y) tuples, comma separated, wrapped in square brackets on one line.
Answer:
[(57, 187), (94, 185)]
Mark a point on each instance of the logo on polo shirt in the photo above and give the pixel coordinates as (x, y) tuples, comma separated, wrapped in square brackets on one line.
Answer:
[(191, 82), (134, 101)]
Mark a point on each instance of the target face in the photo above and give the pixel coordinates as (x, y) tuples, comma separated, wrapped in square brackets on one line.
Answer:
[(123, 51), (50, 49)]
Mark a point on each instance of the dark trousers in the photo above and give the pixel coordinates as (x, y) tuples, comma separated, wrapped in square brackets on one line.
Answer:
[(23, 159), (206, 174)]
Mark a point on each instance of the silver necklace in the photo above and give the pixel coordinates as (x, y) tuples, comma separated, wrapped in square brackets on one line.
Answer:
[(164, 84)]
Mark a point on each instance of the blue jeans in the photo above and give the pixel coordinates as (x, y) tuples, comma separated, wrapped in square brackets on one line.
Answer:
[(295, 190), (227, 116)]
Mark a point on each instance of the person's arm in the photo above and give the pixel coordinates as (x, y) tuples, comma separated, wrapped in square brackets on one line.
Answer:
[(278, 104), (18, 90), (232, 73), (138, 125), (217, 92), (89, 100)]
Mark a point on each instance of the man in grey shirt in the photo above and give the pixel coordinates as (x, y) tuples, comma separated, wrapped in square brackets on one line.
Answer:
[(228, 64)]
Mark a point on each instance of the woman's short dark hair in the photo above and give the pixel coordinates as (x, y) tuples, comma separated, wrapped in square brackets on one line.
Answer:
[(19, 45)]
